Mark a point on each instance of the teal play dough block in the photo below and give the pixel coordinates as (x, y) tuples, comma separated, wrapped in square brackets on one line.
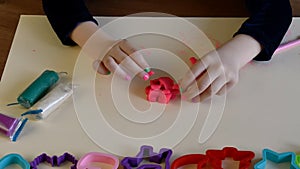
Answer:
[(38, 88)]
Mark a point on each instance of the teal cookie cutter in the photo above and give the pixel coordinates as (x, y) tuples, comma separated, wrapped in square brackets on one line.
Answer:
[(11, 159), (277, 158)]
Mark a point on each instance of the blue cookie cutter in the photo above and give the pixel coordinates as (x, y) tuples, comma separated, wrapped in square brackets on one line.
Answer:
[(277, 158), (54, 160), (146, 153), (14, 159)]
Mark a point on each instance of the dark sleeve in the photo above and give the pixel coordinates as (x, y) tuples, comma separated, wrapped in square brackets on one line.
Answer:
[(268, 22), (65, 15)]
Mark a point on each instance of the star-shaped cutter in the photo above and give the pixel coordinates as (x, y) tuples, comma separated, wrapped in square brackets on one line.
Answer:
[(54, 160), (217, 156), (277, 158), (146, 153)]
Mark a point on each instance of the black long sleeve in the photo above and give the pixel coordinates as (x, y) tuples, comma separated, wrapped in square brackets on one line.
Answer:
[(65, 15), (268, 23)]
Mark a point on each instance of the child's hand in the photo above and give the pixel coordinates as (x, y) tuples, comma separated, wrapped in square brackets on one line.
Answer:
[(121, 52), (218, 71), (125, 54)]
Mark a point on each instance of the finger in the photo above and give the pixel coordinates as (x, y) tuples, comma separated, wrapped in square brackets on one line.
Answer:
[(100, 68), (203, 96), (204, 81), (111, 65), (226, 88), (218, 84), (135, 55), (191, 75), (208, 93), (127, 63)]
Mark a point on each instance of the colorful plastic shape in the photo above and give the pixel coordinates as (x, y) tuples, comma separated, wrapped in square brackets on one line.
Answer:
[(277, 158), (54, 160), (216, 157), (11, 159), (162, 90), (298, 160), (199, 159), (193, 60), (11, 127), (146, 153), (89, 159)]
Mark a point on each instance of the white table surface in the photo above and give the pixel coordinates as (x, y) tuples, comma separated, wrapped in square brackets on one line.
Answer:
[(262, 111)]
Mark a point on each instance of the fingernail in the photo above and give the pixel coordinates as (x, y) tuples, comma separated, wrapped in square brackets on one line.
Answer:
[(193, 60), (181, 90), (151, 73), (147, 69), (127, 77), (146, 77)]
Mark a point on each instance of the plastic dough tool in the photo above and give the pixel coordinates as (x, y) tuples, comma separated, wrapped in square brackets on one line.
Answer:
[(92, 159)]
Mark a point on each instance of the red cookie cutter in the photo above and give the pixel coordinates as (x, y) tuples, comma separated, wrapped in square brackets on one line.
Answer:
[(214, 158), (199, 159), (217, 156)]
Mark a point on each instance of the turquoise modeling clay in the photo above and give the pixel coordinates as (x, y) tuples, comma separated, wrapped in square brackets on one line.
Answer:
[(52, 100), (38, 88)]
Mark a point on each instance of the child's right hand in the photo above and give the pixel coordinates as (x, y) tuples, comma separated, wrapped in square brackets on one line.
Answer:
[(122, 58), (125, 54)]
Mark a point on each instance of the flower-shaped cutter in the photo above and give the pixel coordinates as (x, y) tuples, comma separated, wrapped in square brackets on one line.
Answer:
[(146, 153), (217, 156)]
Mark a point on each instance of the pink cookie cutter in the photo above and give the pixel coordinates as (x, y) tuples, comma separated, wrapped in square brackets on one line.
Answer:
[(89, 160)]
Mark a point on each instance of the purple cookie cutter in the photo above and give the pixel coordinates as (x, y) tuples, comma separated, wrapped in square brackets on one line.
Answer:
[(146, 153), (54, 160)]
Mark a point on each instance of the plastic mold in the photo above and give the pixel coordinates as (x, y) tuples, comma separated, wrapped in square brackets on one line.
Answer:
[(217, 156), (298, 160), (214, 158), (162, 90), (277, 158), (87, 161), (146, 153), (11, 159), (54, 160), (199, 159)]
